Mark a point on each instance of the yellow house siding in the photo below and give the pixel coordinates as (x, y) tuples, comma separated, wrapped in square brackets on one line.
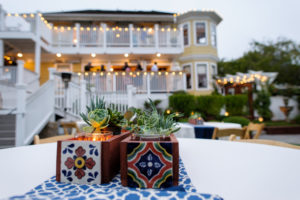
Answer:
[(29, 65), (44, 77), (77, 67)]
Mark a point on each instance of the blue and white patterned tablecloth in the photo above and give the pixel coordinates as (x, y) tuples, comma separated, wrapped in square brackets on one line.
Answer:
[(51, 189)]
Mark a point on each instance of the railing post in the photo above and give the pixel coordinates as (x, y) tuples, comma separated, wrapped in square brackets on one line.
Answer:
[(181, 42), (103, 25), (156, 29), (148, 86), (114, 82), (51, 71), (21, 105), (83, 99), (37, 58), (77, 25), (131, 92), (131, 37)]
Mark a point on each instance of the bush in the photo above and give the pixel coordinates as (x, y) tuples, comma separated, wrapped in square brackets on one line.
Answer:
[(209, 106), (235, 104), (183, 103), (239, 120), (297, 119), (262, 104)]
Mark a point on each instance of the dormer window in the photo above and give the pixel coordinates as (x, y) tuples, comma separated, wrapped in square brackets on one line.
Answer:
[(200, 33)]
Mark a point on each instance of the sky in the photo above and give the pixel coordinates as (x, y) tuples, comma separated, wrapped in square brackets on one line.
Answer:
[(243, 20)]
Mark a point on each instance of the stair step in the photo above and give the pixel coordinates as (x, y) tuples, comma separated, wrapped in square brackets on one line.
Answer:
[(7, 134), (7, 141)]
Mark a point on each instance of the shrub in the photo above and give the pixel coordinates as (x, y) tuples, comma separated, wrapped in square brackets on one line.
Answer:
[(183, 103), (262, 104), (209, 106), (239, 120), (235, 104), (297, 119)]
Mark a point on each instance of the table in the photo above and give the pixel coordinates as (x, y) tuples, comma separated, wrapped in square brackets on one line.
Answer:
[(187, 130), (232, 170)]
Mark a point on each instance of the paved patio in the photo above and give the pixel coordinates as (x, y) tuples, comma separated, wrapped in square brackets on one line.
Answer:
[(289, 138)]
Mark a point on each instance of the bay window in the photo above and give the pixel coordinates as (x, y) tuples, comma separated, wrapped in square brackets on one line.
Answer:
[(200, 33), (201, 75), (213, 34), (188, 71)]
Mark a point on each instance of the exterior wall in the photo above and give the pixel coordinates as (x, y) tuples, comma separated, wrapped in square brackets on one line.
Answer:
[(29, 65), (44, 77)]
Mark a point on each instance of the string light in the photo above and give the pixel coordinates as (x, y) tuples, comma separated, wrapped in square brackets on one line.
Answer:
[(79, 74), (145, 73), (93, 55), (159, 73), (126, 55), (117, 35), (69, 28), (86, 73), (16, 15), (58, 55), (94, 29), (123, 73), (94, 74), (32, 15), (24, 15), (158, 54), (8, 14), (20, 55), (75, 41), (126, 29)]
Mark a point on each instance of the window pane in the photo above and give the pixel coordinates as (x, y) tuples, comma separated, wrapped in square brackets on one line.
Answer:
[(214, 69), (201, 75), (186, 34), (200, 33), (187, 69), (213, 35)]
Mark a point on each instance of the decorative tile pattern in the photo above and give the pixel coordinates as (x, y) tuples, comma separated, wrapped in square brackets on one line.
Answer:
[(80, 162), (150, 165), (52, 189)]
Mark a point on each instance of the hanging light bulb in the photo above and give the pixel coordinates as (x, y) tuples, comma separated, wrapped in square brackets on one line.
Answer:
[(93, 55), (58, 55)]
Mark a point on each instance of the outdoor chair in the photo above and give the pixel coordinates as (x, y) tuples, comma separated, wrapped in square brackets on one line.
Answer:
[(69, 125), (229, 131), (257, 128), (37, 139), (266, 142)]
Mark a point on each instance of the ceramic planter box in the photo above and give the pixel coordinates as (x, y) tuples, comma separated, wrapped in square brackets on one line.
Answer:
[(196, 121), (149, 164), (88, 162)]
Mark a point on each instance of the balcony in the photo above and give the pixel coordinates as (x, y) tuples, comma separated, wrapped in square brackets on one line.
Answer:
[(92, 39)]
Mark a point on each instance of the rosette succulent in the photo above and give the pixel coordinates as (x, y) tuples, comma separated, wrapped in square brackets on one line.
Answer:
[(96, 119)]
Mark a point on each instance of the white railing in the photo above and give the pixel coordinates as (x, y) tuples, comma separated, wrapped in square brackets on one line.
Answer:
[(169, 37), (46, 32), (90, 37), (143, 37), (16, 23), (118, 37), (144, 82), (8, 75), (64, 38)]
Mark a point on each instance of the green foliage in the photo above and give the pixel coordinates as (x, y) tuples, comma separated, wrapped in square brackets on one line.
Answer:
[(183, 103), (156, 102), (151, 122), (96, 119), (297, 119), (196, 115), (262, 104), (115, 116), (282, 56), (236, 119), (210, 105), (236, 104)]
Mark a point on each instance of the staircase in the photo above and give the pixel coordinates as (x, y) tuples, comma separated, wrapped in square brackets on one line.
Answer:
[(7, 130)]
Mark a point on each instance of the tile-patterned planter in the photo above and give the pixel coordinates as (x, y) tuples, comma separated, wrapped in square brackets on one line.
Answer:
[(88, 162), (149, 164)]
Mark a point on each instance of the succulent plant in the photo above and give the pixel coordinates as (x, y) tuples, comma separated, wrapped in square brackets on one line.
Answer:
[(97, 119), (151, 122)]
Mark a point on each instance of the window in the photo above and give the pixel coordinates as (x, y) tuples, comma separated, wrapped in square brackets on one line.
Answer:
[(213, 34), (214, 69), (188, 71), (200, 33), (201, 75), (186, 35)]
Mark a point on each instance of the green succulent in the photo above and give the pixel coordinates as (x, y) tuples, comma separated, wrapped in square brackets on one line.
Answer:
[(97, 119), (151, 122)]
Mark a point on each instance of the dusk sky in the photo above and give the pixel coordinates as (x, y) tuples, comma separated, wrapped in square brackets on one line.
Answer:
[(243, 21)]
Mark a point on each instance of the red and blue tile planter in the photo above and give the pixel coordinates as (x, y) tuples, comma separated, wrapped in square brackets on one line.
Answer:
[(150, 164)]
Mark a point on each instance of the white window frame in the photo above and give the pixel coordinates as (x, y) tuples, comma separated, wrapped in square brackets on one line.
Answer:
[(195, 33), (211, 25), (192, 77), (189, 34), (207, 76), (216, 67)]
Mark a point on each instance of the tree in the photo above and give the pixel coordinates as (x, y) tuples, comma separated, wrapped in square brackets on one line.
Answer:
[(282, 56)]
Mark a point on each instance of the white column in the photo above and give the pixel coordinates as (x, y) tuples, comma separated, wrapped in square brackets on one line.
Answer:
[(114, 82), (131, 90), (131, 37), (148, 85), (77, 25), (156, 29), (103, 25), (1, 53), (51, 73), (51, 78), (2, 18), (37, 52), (21, 105)]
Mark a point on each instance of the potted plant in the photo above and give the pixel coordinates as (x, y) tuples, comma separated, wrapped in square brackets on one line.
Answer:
[(92, 157), (113, 120), (196, 119), (150, 158)]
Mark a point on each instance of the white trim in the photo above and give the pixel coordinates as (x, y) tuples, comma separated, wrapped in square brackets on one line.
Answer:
[(192, 77), (199, 57), (189, 34), (210, 26), (207, 76), (195, 33), (216, 67)]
